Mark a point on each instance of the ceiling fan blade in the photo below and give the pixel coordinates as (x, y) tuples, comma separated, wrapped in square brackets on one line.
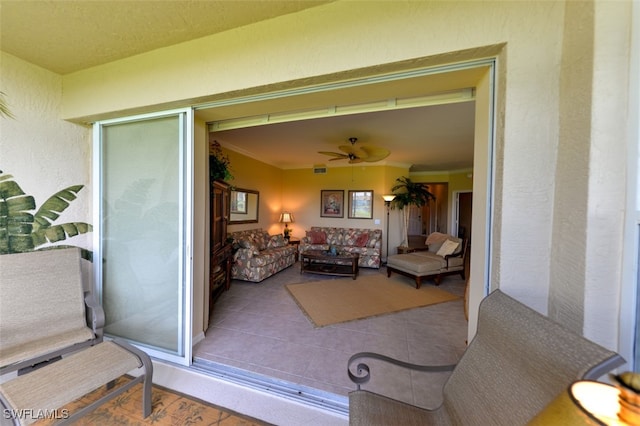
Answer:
[(358, 154), (374, 153), (338, 155)]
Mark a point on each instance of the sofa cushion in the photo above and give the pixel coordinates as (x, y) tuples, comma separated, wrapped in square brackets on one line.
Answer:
[(355, 237), (435, 241), (276, 241), (261, 239), (247, 243), (375, 235), (419, 263), (447, 248), (459, 248), (335, 236)]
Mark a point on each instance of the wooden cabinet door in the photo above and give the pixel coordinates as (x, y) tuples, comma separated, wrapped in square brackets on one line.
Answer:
[(219, 215)]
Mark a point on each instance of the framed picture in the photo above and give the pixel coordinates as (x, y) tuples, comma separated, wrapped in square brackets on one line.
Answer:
[(238, 202), (361, 204), (331, 203)]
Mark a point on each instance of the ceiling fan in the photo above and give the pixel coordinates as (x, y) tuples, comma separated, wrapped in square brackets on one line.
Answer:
[(358, 154)]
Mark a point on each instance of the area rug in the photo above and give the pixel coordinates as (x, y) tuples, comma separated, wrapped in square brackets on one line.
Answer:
[(335, 301), (169, 408)]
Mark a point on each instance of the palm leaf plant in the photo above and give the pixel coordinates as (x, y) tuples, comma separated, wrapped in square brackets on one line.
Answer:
[(21, 230), (409, 193), (4, 107)]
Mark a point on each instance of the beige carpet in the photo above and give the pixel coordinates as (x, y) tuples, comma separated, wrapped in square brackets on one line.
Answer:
[(334, 301)]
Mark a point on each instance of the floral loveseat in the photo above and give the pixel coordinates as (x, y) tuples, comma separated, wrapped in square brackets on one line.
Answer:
[(258, 255), (366, 242)]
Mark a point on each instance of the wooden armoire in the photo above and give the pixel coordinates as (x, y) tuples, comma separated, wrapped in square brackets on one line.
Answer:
[(221, 253)]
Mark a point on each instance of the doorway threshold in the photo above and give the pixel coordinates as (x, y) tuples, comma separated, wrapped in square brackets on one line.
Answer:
[(329, 401)]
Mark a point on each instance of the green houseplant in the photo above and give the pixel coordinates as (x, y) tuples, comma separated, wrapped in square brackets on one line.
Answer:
[(4, 107), (409, 193), (219, 163)]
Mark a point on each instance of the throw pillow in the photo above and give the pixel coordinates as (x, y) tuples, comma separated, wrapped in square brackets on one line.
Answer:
[(248, 244), (261, 239), (317, 237), (447, 248), (361, 240)]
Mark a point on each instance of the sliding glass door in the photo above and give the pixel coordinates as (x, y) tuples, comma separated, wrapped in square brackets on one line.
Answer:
[(143, 199)]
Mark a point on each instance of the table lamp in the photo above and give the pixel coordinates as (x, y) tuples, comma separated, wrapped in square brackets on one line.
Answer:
[(585, 402), (286, 218)]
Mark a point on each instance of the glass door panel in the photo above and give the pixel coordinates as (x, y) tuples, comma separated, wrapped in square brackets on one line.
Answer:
[(144, 276)]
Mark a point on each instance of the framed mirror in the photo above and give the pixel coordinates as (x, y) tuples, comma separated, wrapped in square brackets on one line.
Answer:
[(244, 206)]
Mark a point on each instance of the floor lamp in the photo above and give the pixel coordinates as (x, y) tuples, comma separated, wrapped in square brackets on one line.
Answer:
[(387, 202)]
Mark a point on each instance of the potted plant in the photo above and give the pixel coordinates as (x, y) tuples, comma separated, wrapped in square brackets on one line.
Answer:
[(218, 163), (409, 193)]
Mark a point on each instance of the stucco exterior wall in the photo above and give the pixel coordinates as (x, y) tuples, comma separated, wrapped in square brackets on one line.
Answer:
[(43, 153), (607, 171)]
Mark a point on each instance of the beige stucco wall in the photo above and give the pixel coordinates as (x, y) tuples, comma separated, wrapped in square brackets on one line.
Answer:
[(43, 153), (607, 172), (539, 124)]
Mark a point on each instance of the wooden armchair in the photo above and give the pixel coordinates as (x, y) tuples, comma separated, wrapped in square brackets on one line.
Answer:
[(517, 363), (51, 346)]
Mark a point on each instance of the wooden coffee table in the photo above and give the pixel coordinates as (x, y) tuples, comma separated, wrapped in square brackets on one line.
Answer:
[(321, 262)]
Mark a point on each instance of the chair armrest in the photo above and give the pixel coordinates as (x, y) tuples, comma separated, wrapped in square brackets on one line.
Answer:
[(95, 315), (449, 256), (461, 253), (363, 372)]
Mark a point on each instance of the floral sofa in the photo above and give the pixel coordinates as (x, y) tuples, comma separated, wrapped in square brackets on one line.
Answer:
[(366, 242), (258, 255)]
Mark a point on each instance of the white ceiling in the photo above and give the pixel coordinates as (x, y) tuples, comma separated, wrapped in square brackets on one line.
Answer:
[(425, 138), (65, 36)]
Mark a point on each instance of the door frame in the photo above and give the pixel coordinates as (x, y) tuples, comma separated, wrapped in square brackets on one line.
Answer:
[(455, 216), (484, 154)]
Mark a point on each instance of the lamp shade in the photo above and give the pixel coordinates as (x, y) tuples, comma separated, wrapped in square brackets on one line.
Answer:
[(388, 198), (585, 402), (286, 217)]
